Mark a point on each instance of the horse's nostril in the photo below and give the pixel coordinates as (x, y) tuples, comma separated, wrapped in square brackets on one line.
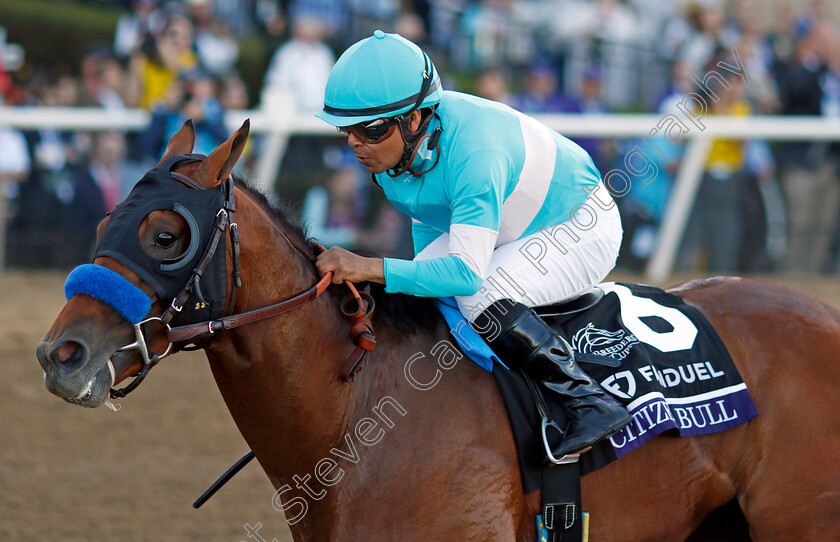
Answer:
[(66, 351), (68, 357)]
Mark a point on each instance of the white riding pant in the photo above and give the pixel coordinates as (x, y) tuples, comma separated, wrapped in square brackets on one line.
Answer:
[(556, 263)]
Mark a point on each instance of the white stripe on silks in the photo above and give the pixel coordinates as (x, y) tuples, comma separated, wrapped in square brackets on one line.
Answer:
[(526, 200), (474, 245), (436, 249), (415, 221)]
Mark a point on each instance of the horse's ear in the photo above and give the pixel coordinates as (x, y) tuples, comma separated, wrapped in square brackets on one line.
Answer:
[(218, 166), (182, 142)]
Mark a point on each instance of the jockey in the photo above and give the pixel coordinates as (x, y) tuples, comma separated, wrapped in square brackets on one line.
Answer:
[(497, 204)]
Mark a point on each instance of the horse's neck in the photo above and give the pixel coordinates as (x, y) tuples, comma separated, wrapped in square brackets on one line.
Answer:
[(280, 380), (281, 384), (284, 392), (284, 399), (279, 376)]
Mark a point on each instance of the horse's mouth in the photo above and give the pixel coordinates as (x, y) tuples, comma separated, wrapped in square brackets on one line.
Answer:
[(93, 393)]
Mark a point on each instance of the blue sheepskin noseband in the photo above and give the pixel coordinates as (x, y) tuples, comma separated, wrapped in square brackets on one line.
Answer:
[(111, 288)]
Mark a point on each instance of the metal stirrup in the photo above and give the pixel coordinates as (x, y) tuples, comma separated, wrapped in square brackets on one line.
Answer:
[(546, 423)]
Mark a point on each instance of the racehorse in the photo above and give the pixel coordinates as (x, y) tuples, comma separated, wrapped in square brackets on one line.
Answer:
[(392, 460)]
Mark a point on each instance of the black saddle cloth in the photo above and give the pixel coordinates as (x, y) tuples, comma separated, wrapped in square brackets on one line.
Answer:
[(675, 374)]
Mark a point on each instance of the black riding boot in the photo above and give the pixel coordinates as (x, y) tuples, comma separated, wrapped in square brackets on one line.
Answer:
[(522, 340)]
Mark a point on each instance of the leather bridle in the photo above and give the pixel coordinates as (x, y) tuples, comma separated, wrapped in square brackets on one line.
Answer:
[(357, 307)]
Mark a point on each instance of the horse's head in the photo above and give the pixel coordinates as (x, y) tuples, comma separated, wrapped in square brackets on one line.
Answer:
[(114, 323)]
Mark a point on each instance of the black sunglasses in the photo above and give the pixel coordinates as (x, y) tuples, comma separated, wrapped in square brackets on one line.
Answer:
[(372, 132)]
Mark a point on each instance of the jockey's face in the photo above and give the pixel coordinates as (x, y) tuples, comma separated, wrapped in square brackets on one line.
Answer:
[(384, 153)]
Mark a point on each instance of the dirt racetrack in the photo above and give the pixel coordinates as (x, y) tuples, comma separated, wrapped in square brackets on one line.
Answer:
[(74, 474)]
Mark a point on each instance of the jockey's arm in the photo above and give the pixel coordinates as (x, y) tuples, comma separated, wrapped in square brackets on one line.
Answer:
[(437, 277), (475, 191)]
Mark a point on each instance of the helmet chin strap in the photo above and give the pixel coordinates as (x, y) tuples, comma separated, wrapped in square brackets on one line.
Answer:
[(413, 142)]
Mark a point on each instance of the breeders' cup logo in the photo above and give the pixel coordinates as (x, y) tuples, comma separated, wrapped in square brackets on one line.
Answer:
[(592, 340)]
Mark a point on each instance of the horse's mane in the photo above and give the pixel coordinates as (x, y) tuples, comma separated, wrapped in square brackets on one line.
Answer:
[(408, 314)]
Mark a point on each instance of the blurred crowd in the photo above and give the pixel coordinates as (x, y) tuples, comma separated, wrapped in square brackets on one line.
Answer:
[(761, 206)]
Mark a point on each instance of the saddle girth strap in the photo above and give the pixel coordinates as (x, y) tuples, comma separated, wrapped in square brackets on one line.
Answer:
[(562, 515)]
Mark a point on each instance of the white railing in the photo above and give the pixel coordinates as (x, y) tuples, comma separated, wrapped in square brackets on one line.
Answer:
[(280, 121)]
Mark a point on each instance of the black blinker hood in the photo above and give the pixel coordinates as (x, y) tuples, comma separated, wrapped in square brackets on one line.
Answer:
[(157, 190)]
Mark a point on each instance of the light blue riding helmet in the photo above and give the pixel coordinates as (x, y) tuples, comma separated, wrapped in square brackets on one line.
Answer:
[(384, 75)]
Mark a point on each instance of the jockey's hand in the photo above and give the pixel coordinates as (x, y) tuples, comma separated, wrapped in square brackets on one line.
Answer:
[(346, 265)]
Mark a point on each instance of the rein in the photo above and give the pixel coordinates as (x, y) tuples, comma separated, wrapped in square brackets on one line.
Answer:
[(361, 331)]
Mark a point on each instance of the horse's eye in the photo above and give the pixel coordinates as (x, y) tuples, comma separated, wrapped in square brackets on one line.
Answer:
[(164, 240)]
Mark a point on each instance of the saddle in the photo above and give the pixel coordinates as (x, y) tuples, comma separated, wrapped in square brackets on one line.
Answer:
[(572, 306)]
